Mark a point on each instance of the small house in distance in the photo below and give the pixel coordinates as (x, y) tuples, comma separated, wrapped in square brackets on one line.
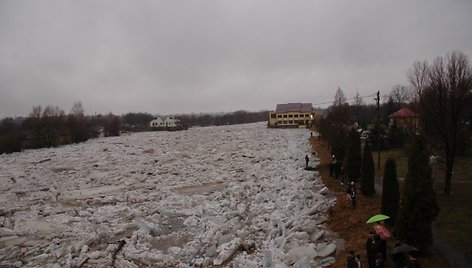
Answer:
[(168, 123), (292, 115), (405, 119)]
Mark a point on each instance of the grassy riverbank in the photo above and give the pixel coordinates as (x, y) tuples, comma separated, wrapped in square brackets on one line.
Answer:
[(350, 224)]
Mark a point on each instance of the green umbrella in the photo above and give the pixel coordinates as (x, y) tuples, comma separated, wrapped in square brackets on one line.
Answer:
[(378, 217)]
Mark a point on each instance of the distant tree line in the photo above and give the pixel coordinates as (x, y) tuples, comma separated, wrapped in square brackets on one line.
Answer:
[(336, 121), (51, 126), (140, 121), (219, 119)]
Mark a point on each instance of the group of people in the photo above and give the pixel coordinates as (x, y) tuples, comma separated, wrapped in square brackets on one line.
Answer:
[(376, 248), (353, 260), (337, 169)]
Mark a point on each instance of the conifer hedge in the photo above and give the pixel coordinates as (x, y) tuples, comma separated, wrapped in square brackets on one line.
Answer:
[(353, 158), (368, 172), (419, 206), (390, 191)]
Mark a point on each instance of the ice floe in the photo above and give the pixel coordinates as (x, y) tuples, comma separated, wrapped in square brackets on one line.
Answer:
[(232, 195)]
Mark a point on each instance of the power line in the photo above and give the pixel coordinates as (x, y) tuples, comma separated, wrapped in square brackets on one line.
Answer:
[(330, 102)]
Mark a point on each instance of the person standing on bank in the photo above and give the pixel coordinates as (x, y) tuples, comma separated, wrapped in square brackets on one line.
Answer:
[(331, 165), (352, 192), (307, 159), (358, 260), (371, 248), (351, 260)]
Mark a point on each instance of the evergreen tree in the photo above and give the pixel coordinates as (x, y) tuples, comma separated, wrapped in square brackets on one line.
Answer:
[(338, 141), (390, 191), (419, 206), (353, 161), (378, 138), (368, 172)]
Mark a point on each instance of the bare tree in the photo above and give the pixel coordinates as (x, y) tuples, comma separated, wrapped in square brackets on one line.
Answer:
[(52, 111), (77, 124), (358, 101), (112, 126), (77, 110), (445, 102), (36, 113), (46, 126), (400, 95), (339, 97), (418, 76), (339, 111)]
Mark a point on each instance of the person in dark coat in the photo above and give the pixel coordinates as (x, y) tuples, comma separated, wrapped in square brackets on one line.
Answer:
[(331, 166), (342, 173), (381, 245), (399, 259), (371, 248), (337, 169), (351, 260), (352, 192), (379, 260), (307, 159)]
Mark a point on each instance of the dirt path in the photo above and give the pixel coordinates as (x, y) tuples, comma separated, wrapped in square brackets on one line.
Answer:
[(349, 224)]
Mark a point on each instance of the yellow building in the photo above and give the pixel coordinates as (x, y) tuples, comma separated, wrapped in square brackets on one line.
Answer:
[(292, 115)]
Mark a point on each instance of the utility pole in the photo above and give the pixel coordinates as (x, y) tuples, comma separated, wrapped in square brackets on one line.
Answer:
[(378, 129)]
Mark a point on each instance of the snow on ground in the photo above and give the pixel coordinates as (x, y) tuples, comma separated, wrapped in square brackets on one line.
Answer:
[(234, 196)]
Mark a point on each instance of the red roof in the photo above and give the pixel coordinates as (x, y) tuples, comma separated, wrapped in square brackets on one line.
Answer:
[(404, 112)]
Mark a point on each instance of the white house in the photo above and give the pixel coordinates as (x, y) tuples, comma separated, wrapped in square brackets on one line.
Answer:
[(157, 122), (171, 121), (168, 122)]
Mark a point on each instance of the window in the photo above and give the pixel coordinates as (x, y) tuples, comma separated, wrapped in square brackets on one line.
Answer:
[(285, 116), (273, 115), (296, 115), (290, 115)]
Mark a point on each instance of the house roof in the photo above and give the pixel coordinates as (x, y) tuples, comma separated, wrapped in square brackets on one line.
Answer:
[(404, 112), (294, 107)]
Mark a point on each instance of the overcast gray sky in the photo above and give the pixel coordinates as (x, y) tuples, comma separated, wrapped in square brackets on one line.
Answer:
[(165, 57)]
